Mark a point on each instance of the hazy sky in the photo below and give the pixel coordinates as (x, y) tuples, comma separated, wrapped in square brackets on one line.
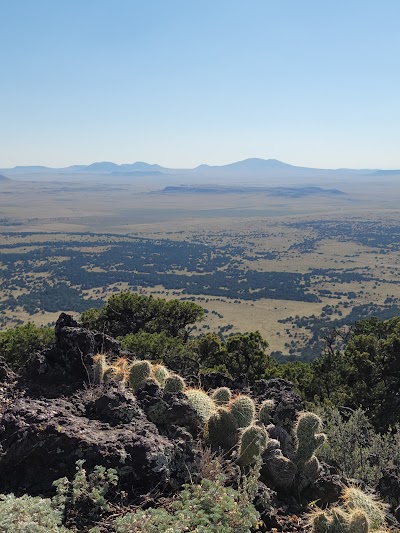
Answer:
[(184, 82)]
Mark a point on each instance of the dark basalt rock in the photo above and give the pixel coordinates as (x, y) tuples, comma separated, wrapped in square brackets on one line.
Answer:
[(112, 405), (287, 402), (6, 374), (43, 438), (214, 380), (67, 365), (326, 490), (389, 489)]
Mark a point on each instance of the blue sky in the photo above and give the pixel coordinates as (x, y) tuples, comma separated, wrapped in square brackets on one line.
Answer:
[(184, 82)]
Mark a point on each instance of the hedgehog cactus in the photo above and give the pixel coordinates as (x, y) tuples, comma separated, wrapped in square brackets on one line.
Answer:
[(119, 370), (201, 402), (174, 383), (222, 429), (337, 520), (359, 522), (308, 436), (375, 510), (252, 443), (160, 372), (140, 372), (99, 367), (360, 513), (333, 521), (243, 409), (222, 395), (264, 414)]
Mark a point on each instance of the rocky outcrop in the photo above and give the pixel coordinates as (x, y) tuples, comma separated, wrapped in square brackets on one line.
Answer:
[(43, 438), (57, 416), (67, 365), (389, 489)]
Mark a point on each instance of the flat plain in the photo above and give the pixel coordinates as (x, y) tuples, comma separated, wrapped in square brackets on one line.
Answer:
[(276, 263)]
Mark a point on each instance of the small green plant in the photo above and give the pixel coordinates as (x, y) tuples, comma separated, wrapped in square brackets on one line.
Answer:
[(208, 507), (140, 372), (85, 489), (29, 515), (243, 409), (222, 395)]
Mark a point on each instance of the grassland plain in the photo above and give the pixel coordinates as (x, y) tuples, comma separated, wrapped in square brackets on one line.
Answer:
[(252, 260)]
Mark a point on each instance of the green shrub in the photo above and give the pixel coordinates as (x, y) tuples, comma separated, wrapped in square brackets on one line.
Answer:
[(205, 508), (28, 515), (129, 312), (18, 344), (88, 490), (355, 448)]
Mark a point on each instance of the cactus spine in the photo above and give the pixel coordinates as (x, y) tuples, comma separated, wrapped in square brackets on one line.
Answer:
[(243, 409), (222, 395)]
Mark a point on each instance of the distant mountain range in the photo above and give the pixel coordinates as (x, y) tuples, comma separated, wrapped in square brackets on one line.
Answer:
[(248, 168)]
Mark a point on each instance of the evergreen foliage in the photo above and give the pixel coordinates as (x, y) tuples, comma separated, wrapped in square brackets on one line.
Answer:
[(18, 344)]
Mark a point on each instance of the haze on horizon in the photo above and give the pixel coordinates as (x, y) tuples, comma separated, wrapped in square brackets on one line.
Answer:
[(181, 84)]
